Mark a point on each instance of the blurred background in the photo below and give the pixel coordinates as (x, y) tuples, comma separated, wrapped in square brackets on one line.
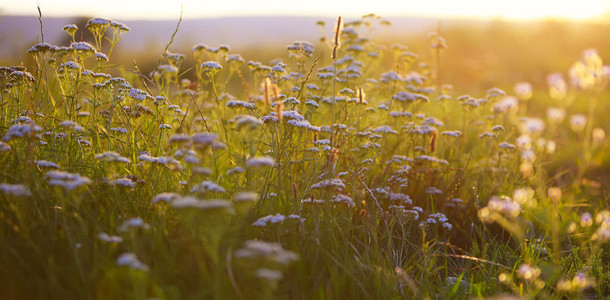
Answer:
[(488, 41)]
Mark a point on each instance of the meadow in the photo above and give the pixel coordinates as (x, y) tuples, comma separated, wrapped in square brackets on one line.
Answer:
[(347, 169)]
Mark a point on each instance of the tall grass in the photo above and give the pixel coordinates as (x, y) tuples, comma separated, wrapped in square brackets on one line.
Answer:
[(326, 174)]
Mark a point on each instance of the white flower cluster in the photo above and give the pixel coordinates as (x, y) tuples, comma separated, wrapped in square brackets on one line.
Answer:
[(110, 156), (256, 250), (15, 189), (69, 181), (126, 182), (261, 161), (207, 187), (439, 218), (131, 260), (240, 103), (161, 160), (209, 204), (335, 183), (165, 197), (400, 210), (46, 164), (602, 234), (385, 129), (134, 223), (343, 199), (114, 239), (22, 131)]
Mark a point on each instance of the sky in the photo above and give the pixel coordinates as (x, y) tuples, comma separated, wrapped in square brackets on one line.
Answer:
[(170, 9)]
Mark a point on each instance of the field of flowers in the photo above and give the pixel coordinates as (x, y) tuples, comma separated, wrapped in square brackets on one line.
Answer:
[(328, 173)]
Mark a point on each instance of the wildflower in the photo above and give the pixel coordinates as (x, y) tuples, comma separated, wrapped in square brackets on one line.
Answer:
[(524, 196), (532, 126), (261, 161), (579, 282), (119, 130), (134, 223), (598, 135), (274, 252), (42, 48), (271, 219), (211, 204), (69, 181), (487, 134), (139, 95), (203, 140), (46, 164), (4, 147), (235, 170), (240, 103), (301, 124), (97, 22), (586, 219), (455, 203), (527, 272), (332, 183), (558, 88), (132, 261), (300, 49), (110, 156), (269, 274), (115, 239), (312, 201), (503, 205), (523, 90), (206, 187), (312, 103), (72, 125), (343, 199), (578, 122), (161, 160), (433, 191), (440, 219), (22, 131), (385, 129), (82, 46), (165, 126), (524, 142), (174, 58), (404, 96), (433, 122), (165, 197), (126, 182), (587, 72), (508, 104), (15, 189), (235, 58), (390, 76), (119, 26), (210, 67), (71, 65), (452, 133)]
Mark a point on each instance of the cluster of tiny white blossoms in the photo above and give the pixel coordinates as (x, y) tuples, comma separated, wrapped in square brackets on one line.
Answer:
[(15, 189), (502, 206), (438, 219), (66, 180), (276, 219), (131, 260)]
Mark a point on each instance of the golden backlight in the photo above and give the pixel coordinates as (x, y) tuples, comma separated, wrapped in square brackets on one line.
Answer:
[(155, 9)]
